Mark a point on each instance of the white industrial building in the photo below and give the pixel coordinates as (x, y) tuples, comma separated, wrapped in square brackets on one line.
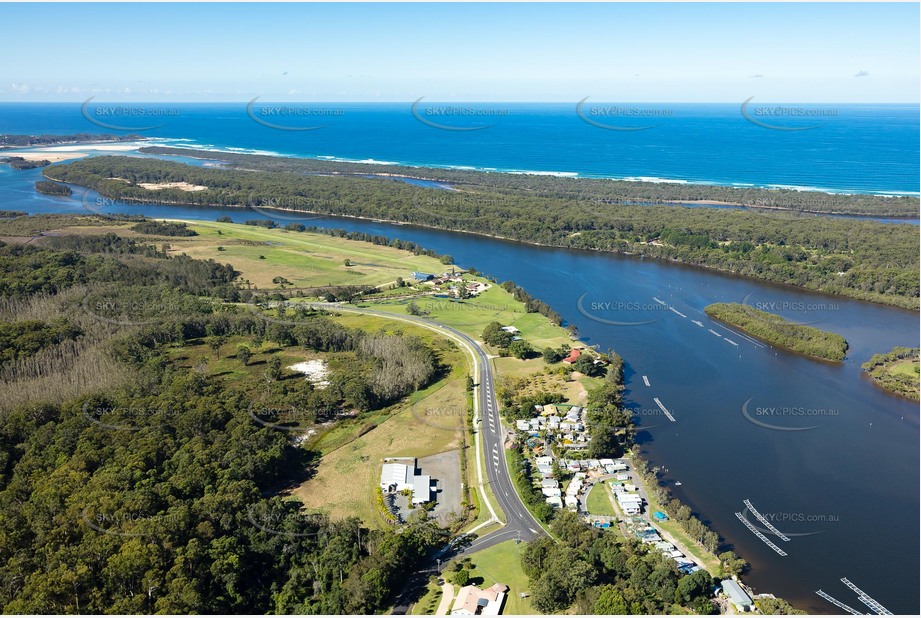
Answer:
[(396, 477)]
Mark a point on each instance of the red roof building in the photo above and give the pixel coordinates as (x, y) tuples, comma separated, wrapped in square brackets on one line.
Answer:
[(573, 357)]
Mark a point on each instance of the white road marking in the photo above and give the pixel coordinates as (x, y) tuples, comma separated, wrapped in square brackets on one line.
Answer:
[(646, 380), (731, 341), (714, 332), (698, 323), (678, 312)]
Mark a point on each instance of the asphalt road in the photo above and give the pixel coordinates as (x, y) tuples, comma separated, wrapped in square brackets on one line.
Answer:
[(519, 523)]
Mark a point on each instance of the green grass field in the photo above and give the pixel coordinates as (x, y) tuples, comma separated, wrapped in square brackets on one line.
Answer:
[(502, 563), (471, 316), (305, 259), (351, 454), (907, 368), (599, 501)]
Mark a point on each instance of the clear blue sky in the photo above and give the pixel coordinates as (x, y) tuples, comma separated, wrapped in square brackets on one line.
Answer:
[(453, 52)]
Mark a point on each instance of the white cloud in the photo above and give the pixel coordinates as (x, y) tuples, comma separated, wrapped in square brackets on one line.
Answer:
[(862, 74)]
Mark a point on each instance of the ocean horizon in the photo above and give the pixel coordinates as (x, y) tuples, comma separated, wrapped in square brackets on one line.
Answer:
[(827, 147)]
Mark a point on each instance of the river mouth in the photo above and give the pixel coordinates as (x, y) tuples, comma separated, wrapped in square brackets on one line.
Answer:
[(805, 479)]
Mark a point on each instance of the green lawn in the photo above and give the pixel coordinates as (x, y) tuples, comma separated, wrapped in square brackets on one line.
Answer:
[(906, 367), (502, 563), (599, 500), (305, 259), (471, 316)]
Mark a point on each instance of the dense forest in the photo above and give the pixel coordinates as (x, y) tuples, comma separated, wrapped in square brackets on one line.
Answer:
[(779, 332), (860, 259), (130, 485), (603, 191), (52, 188), (602, 574)]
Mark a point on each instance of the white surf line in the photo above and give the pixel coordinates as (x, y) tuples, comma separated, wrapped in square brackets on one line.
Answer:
[(646, 381), (698, 323), (678, 312), (761, 518), (664, 409), (758, 534)]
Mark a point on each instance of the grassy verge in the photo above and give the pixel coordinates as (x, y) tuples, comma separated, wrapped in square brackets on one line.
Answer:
[(428, 604), (508, 463), (702, 556)]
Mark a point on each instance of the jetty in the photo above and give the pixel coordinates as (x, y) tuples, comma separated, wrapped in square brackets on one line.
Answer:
[(838, 603), (664, 409), (761, 518), (866, 599), (758, 534)]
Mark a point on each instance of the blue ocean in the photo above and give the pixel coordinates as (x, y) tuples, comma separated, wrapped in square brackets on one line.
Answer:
[(835, 148)]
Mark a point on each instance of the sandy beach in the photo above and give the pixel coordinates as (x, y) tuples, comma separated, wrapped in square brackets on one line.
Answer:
[(63, 152)]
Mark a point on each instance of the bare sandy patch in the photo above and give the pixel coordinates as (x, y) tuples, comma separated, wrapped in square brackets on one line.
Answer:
[(184, 186), (316, 371), (40, 156)]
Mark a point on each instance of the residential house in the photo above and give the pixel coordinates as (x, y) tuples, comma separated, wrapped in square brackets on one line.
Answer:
[(472, 601)]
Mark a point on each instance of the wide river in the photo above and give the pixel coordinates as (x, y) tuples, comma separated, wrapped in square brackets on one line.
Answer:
[(827, 458)]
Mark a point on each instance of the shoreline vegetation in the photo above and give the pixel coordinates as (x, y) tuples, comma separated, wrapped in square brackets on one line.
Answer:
[(24, 163), (896, 372), (864, 260), (777, 331), (601, 190), (30, 141), (49, 187)]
